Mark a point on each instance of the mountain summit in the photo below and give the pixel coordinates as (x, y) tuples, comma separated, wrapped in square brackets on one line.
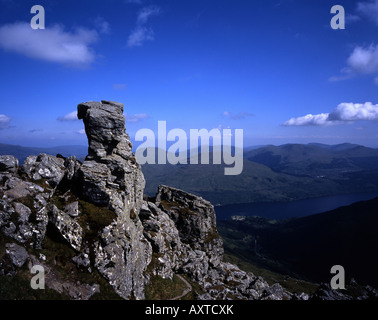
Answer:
[(89, 226)]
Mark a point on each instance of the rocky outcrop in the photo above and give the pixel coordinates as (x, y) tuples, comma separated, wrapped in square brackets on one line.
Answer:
[(8, 164), (182, 230), (90, 221), (352, 291), (111, 177), (14, 258)]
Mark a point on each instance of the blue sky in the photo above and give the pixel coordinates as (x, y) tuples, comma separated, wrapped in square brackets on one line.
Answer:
[(274, 68)]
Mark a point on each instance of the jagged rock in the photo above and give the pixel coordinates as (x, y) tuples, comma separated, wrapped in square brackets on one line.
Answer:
[(75, 290), (325, 292), (353, 291), (195, 220), (45, 167), (8, 164), (105, 129), (72, 209), (72, 166), (67, 227), (23, 211), (82, 261), (163, 235), (111, 177), (15, 188), (25, 229), (14, 258)]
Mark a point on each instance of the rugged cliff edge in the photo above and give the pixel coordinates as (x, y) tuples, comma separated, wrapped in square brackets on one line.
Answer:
[(86, 222)]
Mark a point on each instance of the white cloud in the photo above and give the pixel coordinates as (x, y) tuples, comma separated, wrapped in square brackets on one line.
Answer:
[(136, 117), (147, 12), (81, 131), (364, 60), (309, 120), (344, 112), (361, 61), (139, 35), (354, 112), (238, 116), (4, 121), (69, 116), (52, 44), (369, 9)]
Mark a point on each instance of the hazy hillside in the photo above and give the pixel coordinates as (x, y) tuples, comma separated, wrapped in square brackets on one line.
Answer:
[(22, 152), (316, 159), (276, 173), (310, 246), (270, 173), (257, 183)]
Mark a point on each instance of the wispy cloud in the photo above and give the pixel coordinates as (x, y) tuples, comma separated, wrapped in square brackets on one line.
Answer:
[(4, 121), (238, 116), (136, 117), (141, 32), (351, 18), (139, 35), (369, 9), (363, 60), (81, 131), (53, 44), (146, 13), (69, 116), (344, 112), (102, 25)]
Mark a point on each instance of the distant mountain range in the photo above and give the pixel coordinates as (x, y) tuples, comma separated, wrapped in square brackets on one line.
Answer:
[(270, 173), (21, 153), (308, 247), (276, 173), (316, 160)]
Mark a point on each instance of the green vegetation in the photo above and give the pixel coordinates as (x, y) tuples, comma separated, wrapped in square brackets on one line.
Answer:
[(164, 289), (94, 219), (275, 173), (306, 248), (18, 288)]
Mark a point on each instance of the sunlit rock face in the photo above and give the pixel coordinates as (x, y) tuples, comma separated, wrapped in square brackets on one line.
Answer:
[(111, 177)]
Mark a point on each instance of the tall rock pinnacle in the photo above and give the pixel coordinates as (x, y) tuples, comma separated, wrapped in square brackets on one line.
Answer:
[(105, 128), (111, 177)]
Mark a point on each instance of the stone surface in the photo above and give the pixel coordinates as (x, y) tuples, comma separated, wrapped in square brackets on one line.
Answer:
[(8, 164), (69, 229), (14, 258), (352, 291), (45, 167), (110, 176)]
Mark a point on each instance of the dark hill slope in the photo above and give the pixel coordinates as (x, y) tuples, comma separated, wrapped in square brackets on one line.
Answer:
[(308, 247)]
